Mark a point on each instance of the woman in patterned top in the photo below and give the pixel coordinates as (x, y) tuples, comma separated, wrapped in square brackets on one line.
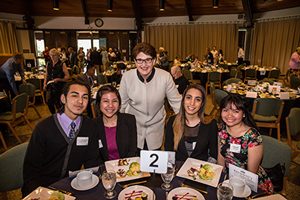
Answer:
[(240, 143)]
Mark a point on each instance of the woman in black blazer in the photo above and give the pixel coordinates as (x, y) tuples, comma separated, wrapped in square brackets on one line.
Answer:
[(187, 133), (117, 131)]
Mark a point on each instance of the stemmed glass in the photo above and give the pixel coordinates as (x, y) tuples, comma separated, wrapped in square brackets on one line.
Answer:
[(225, 191), (109, 182), (168, 177)]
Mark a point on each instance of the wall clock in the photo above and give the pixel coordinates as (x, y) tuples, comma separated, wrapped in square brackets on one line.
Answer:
[(99, 22)]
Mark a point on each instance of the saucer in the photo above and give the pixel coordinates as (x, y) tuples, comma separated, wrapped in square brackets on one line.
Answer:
[(95, 181), (244, 194)]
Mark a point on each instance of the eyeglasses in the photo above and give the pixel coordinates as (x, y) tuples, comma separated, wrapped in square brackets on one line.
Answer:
[(140, 61)]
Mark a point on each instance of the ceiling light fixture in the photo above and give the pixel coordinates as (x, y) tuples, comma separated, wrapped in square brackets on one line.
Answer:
[(109, 5), (215, 3), (55, 4), (161, 5)]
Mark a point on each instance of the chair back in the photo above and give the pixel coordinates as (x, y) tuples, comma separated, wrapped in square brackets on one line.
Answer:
[(292, 122), (232, 80), (29, 89), (212, 91), (20, 103), (11, 167), (36, 82), (274, 73), (294, 81), (276, 152), (214, 77), (233, 72), (267, 106), (219, 95), (250, 74)]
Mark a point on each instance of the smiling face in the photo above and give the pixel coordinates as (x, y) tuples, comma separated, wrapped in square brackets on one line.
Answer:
[(192, 102), (76, 100), (232, 116), (144, 64), (109, 104)]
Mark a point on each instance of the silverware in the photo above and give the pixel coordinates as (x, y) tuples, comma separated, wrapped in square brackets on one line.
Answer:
[(60, 190), (258, 195), (134, 183), (202, 191)]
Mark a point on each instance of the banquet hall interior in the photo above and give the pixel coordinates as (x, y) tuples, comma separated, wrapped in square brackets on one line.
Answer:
[(254, 41)]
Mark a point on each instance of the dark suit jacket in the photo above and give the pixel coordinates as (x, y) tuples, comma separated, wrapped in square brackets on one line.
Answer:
[(85, 79), (207, 142), (126, 136)]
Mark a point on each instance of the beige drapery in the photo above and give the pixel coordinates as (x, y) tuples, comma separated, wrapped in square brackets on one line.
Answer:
[(183, 40), (273, 42), (8, 39)]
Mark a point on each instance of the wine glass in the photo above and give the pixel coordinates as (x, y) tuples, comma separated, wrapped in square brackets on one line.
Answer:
[(109, 182), (168, 177), (225, 191)]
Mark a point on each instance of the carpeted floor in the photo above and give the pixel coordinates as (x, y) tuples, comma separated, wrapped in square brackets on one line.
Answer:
[(293, 185)]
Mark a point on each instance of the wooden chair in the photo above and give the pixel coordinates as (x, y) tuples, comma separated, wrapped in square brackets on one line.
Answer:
[(39, 91), (29, 89), (267, 113), (3, 141), (17, 115), (213, 77), (274, 74)]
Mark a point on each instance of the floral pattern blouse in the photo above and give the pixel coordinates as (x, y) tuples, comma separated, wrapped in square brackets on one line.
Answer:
[(250, 139)]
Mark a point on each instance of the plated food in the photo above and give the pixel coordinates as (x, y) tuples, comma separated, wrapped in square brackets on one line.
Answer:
[(184, 193), (126, 169), (136, 192), (42, 193), (201, 171)]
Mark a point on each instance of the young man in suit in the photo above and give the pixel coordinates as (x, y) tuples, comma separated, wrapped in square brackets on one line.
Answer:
[(62, 142)]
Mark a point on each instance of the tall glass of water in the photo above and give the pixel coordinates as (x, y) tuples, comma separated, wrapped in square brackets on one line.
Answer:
[(168, 177), (225, 191), (109, 182)]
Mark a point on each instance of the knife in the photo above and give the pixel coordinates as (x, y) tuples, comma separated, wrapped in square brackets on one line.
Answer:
[(62, 191), (134, 183), (202, 191)]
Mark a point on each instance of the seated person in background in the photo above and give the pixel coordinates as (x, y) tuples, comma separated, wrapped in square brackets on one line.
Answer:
[(117, 131), (177, 61), (187, 133), (240, 143), (7, 72), (294, 62), (89, 76), (180, 81), (62, 142)]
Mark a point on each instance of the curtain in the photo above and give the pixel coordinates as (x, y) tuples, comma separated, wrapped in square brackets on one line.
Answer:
[(8, 38), (183, 40), (273, 42)]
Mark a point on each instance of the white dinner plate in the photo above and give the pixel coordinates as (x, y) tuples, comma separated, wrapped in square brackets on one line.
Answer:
[(244, 194), (95, 181), (136, 191), (113, 165), (187, 193), (44, 193), (194, 163)]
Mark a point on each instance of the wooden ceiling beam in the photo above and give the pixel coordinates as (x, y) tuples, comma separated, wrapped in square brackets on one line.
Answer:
[(248, 9), (189, 9), (136, 5), (85, 12)]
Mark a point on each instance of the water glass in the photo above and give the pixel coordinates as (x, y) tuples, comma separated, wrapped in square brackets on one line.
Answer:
[(225, 191), (168, 177), (109, 182)]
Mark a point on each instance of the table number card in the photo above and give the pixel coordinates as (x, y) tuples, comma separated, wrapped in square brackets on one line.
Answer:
[(251, 82), (277, 83), (250, 178), (274, 89), (284, 95), (156, 161), (251, 94), (262, 72)]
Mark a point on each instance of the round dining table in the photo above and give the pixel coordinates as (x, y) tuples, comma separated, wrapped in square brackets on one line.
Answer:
[(153, 182)]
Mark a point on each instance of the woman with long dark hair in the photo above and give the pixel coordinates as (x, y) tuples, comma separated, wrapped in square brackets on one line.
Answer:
[(240, 143), (187, 133)]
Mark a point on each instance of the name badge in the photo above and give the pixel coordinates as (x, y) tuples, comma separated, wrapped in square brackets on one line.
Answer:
[(82, 141), (235, 148), (100, 144)]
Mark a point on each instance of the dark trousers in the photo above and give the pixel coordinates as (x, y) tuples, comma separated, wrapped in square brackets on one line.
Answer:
[(53, 101)]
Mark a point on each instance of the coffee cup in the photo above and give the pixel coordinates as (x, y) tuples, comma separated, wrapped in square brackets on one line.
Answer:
[(84, 178), (238, 184)]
